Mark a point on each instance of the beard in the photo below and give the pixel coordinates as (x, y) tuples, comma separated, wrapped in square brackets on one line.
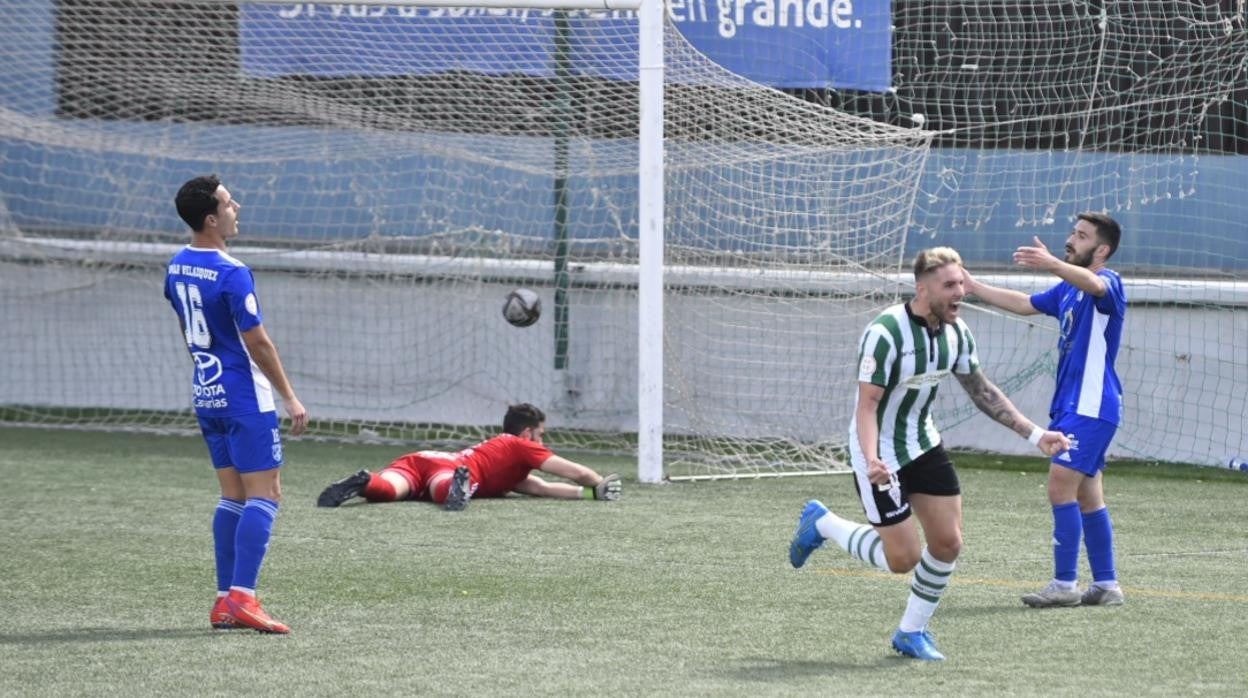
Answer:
[(1080, 260)]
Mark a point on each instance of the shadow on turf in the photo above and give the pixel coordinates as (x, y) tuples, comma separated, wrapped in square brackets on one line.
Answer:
[(768, 669), (102, 635)]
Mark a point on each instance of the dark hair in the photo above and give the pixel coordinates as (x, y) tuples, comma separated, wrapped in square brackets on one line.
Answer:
[(197, 199), (521, 417), (1107, 230)]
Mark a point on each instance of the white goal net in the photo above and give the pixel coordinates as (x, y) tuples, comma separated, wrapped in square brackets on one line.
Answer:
[(402, 168)]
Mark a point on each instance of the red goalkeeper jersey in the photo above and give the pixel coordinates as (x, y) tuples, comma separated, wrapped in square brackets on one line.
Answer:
[(502, 462)]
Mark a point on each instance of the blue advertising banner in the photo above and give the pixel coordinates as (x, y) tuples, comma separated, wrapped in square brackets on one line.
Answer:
[(794, 43), (780, 43)]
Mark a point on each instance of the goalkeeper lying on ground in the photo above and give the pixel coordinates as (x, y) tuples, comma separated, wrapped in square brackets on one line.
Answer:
[(492, 468)]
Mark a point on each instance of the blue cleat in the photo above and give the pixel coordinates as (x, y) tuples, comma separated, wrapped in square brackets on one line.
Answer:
[(918, 645), (807, 539)]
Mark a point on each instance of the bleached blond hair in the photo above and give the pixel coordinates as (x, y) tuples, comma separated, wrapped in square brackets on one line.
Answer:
[(933, 258)]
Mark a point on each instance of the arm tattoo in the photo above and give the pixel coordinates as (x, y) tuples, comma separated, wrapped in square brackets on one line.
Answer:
[(992, 402)]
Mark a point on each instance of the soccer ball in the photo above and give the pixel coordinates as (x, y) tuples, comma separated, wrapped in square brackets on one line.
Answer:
[(522, 307)]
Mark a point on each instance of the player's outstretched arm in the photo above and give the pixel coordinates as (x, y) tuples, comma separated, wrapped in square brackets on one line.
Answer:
[(264, 353), (992, 402), (535, 486), (1006, 299), (596, 486)]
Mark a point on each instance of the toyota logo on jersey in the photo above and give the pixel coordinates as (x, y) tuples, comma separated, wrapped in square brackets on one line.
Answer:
[(207, 367)]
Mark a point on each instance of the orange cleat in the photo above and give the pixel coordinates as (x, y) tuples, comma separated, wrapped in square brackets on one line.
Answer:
[(220, 616), (245, 610)]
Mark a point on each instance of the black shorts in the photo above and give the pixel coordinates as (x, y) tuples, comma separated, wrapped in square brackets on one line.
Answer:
[(931, 473)]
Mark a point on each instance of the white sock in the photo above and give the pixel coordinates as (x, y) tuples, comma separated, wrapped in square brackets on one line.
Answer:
[(1064, 585), (833, 527), (931, 578), (859, 540)]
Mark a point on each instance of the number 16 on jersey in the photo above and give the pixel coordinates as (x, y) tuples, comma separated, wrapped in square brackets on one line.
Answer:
[(196, 329)]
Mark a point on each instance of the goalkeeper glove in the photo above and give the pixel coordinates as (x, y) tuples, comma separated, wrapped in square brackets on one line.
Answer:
[(607, 490)]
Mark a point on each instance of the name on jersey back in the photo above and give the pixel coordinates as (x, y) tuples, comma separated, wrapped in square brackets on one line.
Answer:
[(193, 271)]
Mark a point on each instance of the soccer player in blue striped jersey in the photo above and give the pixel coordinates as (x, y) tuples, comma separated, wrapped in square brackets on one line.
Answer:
[(236, 370), (900, 466), (1090, 306)]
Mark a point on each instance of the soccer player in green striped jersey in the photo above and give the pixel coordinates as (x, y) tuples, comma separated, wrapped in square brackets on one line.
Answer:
[(899, 464)]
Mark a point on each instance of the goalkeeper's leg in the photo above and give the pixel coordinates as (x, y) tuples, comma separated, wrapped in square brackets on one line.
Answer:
[(389, 485), (392, 484), (460, 490), (404, 478), (451, 487)]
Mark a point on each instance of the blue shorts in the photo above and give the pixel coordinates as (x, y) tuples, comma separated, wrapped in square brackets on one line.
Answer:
[(1089, 442), (250, 443)]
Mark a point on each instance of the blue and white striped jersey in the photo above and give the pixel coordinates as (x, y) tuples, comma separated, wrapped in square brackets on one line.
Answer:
[(1091, 330), (214, 296)]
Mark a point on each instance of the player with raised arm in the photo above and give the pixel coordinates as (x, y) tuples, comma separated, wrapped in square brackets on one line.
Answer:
[(899, 464), (494, 467), (1090, 306), (236, 370)]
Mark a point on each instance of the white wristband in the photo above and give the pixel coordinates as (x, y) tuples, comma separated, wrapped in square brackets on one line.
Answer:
[(1036, 434)]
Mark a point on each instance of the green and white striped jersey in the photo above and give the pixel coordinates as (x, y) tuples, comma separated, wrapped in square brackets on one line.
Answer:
[(899, 353)]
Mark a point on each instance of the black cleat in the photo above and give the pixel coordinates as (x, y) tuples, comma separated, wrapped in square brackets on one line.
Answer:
[(346, 488), (461, 490)]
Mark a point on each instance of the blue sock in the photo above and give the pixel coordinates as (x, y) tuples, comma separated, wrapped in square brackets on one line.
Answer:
[(1098, 536), (1067, 530), (252, 541), (224, 529)]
